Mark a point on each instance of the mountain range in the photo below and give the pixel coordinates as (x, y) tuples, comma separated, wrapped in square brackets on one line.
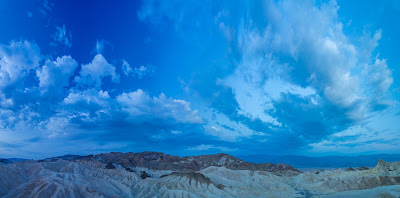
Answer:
[(155, 174)]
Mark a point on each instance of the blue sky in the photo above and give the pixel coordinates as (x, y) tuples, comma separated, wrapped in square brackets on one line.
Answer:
[(308, 78)]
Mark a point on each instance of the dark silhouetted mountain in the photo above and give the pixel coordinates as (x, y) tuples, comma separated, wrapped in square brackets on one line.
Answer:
[(63, 157), (5, 161), (11, 160)]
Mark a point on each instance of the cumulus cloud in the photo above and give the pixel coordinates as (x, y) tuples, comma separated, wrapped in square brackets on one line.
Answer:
[(320, 89), (24, 117), (87, 100), (91, 74), (5, 102), (61, 99), (324, 61), (16, 60), (140, 104), (323, 74), (55, 126), (55, 76)]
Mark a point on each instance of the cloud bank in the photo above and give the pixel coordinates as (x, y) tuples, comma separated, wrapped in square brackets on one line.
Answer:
[(282, 77), (44, 99), (293, 77)]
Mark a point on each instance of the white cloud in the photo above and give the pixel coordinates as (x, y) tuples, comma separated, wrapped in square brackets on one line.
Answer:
[(89, 106), (326, 51), (5, 102), (55, 126), (126, 68), (139, 72), (355, 130), (176, 132), (89, 96), (219, 125), (260, 79), (139, 103), (379, 76), (92, 74), (295, 56), (359, 146), (378, 134), (55, 75), (142, 71), (324, 61), (16, 60), (45, 108), (274, 87), (25, 117)]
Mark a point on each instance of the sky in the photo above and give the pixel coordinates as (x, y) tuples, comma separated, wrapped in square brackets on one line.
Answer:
[(188, 77)]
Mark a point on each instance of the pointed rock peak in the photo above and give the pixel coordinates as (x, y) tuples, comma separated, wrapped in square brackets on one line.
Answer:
[(350, 169), (191, 176), (110, 166)]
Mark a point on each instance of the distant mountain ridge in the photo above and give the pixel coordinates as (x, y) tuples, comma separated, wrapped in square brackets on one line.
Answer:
[(323, 162), (161, 161), (63, 157), (292, 160), (11, 160)]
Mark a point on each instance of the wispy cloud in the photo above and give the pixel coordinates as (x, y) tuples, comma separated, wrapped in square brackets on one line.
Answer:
[(62, 37), (204, 147), (139, 72)]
